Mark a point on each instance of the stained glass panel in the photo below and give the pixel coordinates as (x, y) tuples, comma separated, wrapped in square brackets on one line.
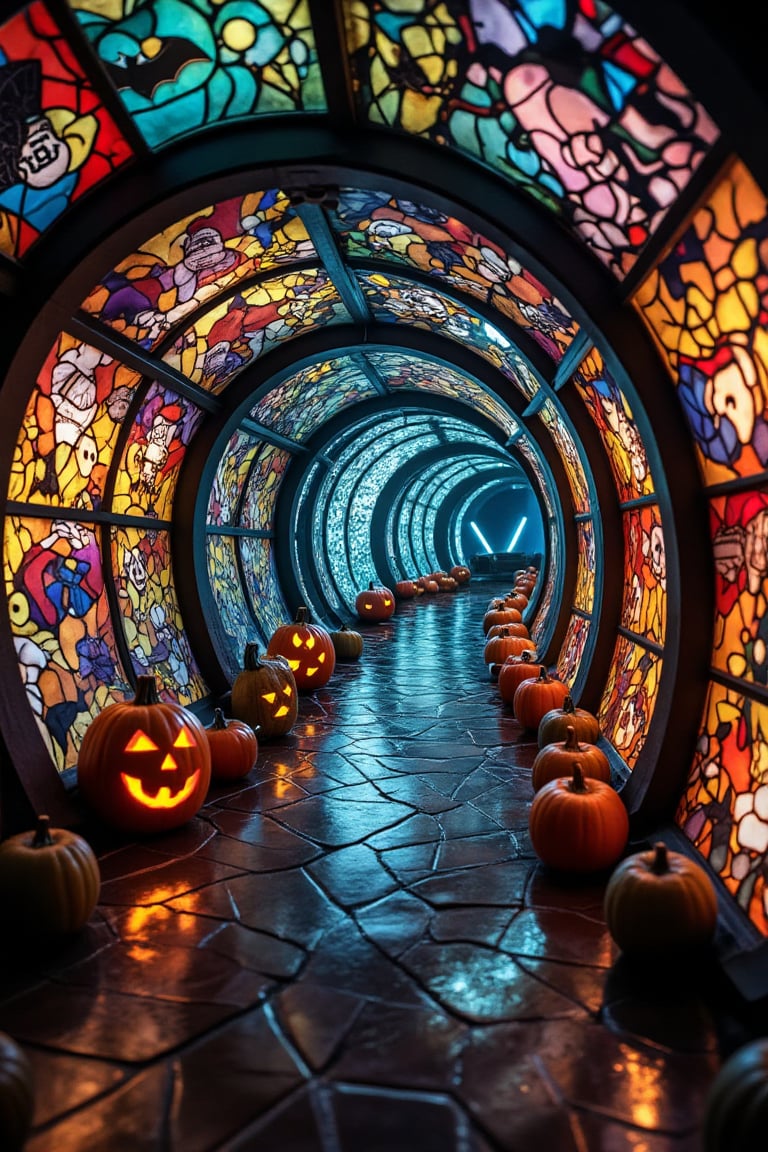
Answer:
[(584, 595), (644, 608), (629, 698), (62, 629), (267, 470), (230, 477), (59, 141), (572, 652), (145, 482), (190, 263), (237, 625), (236, 331), (65, 444), (179, 67), (724, 807), (610, 410), (393, 300), (373, 223), (406, 372), (739, 525), (706, 305), (566, 447), (267, 602), (298, 406), (565, 99), (150, 615)]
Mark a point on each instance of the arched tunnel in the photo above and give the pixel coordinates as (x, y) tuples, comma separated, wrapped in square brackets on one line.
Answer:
[(299, 296)]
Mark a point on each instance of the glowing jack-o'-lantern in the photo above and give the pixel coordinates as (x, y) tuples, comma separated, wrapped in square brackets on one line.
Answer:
[(264, 694), (144, 765), (377, 603), (309, 650)]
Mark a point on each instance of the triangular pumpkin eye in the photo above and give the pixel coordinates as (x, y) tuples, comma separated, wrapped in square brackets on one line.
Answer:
[(184, 739), (140, 742), (269, 697)]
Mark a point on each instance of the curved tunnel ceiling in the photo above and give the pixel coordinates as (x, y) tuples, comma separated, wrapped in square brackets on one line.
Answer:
[(539, 228)]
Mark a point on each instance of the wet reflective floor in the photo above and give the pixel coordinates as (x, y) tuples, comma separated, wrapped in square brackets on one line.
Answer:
[(356, 950)]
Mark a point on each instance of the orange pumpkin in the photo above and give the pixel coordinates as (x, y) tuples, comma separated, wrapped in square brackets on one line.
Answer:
[(264, 694), (234, 747), (460, 573), (558, 758), (534, 698), (144, 765), (496, 629), (498, 648), (577, 824), (309, 650), (500, 616), (514, 670), (555, 724), (405, 589), (428, 584), (376, 604)]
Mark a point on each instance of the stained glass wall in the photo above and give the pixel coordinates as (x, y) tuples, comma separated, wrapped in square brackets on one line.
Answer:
[(706, 306)]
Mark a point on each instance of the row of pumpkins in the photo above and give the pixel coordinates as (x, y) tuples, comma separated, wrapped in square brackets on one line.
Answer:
[(656, 901)]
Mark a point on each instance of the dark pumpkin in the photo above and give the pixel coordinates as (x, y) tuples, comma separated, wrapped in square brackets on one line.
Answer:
[(736, 1110), (347, 643), (554, 724), (145, 765), (264, 694), (375, 604), (17, 1095)]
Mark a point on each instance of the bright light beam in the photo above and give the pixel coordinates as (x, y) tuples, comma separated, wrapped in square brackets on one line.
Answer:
[(481, 538), (516, 536)]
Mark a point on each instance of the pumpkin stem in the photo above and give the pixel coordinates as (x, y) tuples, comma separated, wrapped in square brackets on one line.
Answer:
[(219, 721), (568, 704), (571, 743), (543, 675), (577, 782), (251, 657), (301, 615), (42, 837), (660, 862), (146, 691)]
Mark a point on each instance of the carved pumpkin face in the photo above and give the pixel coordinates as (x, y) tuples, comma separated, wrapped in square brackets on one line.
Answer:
[(377, 603), (145, 766), (265, 695), (309, 650)]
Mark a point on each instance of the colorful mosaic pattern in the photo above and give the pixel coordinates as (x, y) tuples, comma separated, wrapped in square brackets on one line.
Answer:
[(394, 300), (376, 224), (724, 807), (739, 524), (403, 372), (192, 262), (180, 65), (58, 140), (541, 624), (62, 628), (574, 645), (306, 400), (629, 698), (234, 332), (150, 615), (261, 584), (644, 608), (237, 627), (162, 429), (584, 596), (561, 97), (67, 439), (706, 306), (610, 410), (267, 470), (565, 444), (229, 480)]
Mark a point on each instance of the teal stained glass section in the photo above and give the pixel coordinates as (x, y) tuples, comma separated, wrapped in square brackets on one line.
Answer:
[(236, 625), (262, 586), (267, 469), (230, 479), (298, 406), (182, 65), (562, 97)]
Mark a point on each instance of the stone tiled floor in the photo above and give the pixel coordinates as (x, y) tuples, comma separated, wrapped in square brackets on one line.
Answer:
[(355, 950)]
